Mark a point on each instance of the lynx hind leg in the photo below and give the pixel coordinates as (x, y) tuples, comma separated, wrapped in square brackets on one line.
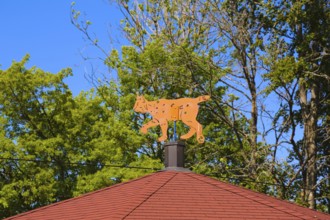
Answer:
[(195, 127), (163, 125), (200, 137), (192, 128)]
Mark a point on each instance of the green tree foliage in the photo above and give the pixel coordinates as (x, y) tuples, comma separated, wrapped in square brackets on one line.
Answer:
[(54, 146)]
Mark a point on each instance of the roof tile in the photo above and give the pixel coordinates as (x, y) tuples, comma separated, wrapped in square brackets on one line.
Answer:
[(173, 195)]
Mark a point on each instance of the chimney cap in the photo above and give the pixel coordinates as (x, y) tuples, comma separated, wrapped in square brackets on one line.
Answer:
[(178, 142)]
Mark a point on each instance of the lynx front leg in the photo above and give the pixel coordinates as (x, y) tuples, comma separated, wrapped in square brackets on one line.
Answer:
[(152, 123), (163, 125)]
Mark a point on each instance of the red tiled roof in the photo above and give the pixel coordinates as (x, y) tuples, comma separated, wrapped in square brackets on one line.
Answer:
[(173, 195)]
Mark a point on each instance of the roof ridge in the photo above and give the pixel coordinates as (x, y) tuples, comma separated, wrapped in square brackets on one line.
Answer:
[(167, 181), (239, 194), (80, 196)]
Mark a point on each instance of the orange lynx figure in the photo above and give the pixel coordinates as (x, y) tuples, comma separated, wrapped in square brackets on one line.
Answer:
[(164, 110)]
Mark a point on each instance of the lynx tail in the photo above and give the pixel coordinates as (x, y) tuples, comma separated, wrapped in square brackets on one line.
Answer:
[(203, 98)]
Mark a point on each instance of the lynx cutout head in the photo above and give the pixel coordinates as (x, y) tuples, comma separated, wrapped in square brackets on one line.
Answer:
[(140, 104), (164, 110)]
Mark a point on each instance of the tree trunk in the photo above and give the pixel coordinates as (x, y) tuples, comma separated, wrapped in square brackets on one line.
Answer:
[(309, 114), (253, 125)]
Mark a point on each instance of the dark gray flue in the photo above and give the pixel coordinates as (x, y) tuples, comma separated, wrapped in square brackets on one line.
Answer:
[(174, 156)]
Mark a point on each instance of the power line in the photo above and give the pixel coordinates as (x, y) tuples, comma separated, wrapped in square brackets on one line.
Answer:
[(241, 179), (80, 163), (249, 180), (245, 179)]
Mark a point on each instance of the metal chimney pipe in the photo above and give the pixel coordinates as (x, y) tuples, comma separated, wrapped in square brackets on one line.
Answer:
[(174, 155)]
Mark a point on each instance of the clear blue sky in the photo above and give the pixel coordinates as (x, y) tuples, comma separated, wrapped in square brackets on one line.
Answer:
[(42, 28)]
